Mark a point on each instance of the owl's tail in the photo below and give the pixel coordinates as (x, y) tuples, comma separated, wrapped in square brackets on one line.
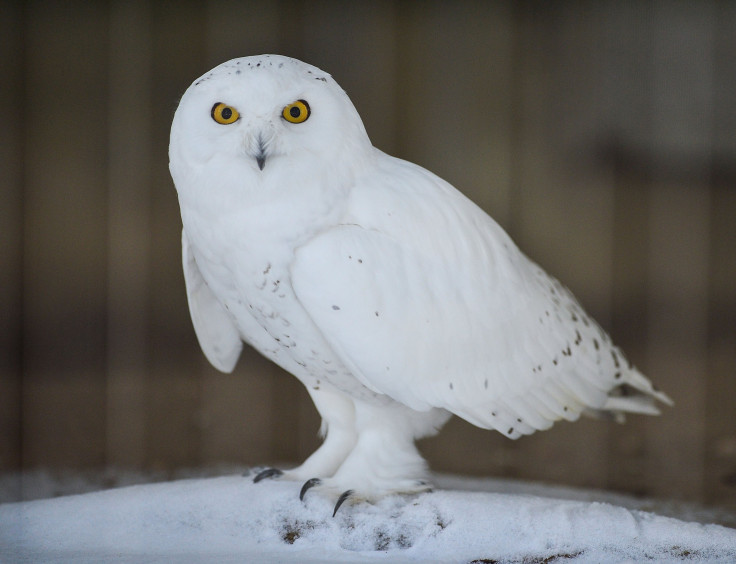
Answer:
[(636, 394)]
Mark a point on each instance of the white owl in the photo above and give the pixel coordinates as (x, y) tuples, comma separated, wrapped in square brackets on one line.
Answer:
[(393, 298)]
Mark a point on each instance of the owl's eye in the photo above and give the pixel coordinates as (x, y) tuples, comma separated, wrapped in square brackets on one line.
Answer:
[(224, 114), (296, 112)]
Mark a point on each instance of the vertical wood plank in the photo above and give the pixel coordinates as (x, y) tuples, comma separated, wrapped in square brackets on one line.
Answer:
[(11, 210), (454, 96), (628, 39), (356, 43), (679, 240), (720, 458), (173, 407), (720, 463), (129, 168), (65, 234), (677, 335), (241, 29)]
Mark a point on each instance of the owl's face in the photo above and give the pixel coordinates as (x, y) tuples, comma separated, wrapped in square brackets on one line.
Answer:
[(267, 117)]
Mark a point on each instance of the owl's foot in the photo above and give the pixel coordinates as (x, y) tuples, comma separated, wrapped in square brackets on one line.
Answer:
[(316, 482), (330, 487)]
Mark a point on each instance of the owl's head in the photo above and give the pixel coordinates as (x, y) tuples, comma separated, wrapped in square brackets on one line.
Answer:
[(264, 116)]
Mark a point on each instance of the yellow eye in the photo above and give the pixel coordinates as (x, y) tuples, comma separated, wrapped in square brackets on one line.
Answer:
[(296, 112), (224, 114)]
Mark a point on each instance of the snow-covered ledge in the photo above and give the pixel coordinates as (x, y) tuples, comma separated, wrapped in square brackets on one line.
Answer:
[(230, 519)]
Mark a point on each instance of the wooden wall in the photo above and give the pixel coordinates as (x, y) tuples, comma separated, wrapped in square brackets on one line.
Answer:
[(600, 134)]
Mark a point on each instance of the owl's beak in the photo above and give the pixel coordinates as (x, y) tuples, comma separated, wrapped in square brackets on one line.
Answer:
[(261, 153), (261, 160), (258, 145)]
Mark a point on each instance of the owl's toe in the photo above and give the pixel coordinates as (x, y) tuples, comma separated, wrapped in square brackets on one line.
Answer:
[(340, 500), (268, 473), (308, 484)]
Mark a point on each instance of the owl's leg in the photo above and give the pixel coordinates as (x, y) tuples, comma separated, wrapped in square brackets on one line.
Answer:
[(385, 460), (338, 426)]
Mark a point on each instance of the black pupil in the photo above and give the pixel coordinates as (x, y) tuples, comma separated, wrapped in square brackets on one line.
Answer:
[(227, 113), (295, 112)]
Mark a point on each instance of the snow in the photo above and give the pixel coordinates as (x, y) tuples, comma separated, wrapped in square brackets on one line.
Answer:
[(230, 519)]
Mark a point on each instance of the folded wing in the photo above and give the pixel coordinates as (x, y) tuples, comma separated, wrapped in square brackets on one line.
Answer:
[(428, 300)]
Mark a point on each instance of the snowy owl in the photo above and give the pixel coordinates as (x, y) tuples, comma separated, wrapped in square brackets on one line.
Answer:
[(393, 298)]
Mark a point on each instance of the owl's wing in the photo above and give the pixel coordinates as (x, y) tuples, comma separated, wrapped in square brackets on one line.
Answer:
[(426, 299), (217, 334)]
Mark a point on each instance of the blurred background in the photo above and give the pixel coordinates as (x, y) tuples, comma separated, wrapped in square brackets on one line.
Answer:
[(599, 134)]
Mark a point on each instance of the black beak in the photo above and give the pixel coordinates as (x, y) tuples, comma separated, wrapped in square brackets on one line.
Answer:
[(261, 155)]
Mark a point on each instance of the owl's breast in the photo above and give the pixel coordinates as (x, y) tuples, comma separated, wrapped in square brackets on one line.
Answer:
[(253, 284)]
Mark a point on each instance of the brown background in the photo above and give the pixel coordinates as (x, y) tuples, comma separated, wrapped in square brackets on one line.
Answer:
[(600, 135)]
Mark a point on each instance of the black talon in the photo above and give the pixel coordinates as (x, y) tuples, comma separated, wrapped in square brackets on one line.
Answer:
[(425, 483), (267, 473), (346, 494), (308, 484)]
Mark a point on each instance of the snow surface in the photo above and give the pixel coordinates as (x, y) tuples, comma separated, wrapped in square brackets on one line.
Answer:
[(230, 519)]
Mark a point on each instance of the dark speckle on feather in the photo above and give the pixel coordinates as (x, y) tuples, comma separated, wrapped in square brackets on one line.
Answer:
[(615, 359)]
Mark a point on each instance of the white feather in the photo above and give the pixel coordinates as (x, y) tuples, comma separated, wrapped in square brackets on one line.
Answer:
[(389, 294), (217, 334)]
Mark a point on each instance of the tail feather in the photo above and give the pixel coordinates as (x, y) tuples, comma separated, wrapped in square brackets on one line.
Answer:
[(637, 380), (635, 395), (631, 404)]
